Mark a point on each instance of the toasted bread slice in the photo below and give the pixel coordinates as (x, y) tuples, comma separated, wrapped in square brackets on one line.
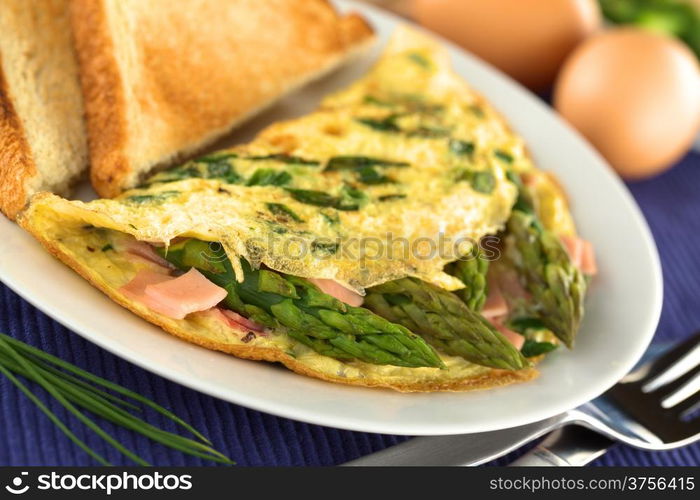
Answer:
[(163, 79), (42, 134)]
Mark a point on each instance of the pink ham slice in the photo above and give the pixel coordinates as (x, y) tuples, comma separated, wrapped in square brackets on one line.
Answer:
[(237, 321), (574, 247), (136, 289), (146, 251), (510, 285), (495, 304), (513, 337), (174, 297), (338, 291), (186, 294), (496, 310), (588, 263), (242, 326), (529, 179), (581, 253)]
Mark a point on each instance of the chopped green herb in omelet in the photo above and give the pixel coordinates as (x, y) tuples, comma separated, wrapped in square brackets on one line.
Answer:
[(283, 211), (269, 177), (399, 154)]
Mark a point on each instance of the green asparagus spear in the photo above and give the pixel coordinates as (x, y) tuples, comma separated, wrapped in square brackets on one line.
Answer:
[(471, 270), (310, 316), (556, 284), (537, 254), (444, 321)]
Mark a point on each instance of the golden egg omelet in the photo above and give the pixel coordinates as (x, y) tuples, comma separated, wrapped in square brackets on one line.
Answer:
[(397, 176)]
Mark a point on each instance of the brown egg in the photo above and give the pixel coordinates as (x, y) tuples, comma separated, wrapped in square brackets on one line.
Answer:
[(528, 39), (635, 95)]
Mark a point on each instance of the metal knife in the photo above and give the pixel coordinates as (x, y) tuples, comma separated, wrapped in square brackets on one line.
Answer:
[(571, 445), (459, 450)]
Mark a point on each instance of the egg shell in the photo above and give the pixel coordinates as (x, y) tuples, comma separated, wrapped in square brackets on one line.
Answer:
[(529, 40), (635, 95)]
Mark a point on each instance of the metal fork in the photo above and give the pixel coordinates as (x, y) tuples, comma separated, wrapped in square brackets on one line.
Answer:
[(633, 412), (636, 411)]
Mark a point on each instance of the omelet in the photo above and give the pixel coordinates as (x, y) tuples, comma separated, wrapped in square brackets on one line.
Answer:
[(396, 177)]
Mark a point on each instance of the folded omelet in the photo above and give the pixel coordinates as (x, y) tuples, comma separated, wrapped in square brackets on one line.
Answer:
[(338, 243)]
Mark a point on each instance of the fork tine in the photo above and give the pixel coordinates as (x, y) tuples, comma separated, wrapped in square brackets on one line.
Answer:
[(653, 369), (666, 390), (687, 405)]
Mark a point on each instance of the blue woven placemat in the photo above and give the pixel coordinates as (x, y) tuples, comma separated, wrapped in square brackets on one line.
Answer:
[(670, 203)]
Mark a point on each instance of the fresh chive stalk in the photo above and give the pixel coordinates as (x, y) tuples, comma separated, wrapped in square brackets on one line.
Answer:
[(78, 389)]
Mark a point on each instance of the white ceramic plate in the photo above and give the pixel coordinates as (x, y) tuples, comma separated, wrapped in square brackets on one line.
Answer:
[(622, 312)]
